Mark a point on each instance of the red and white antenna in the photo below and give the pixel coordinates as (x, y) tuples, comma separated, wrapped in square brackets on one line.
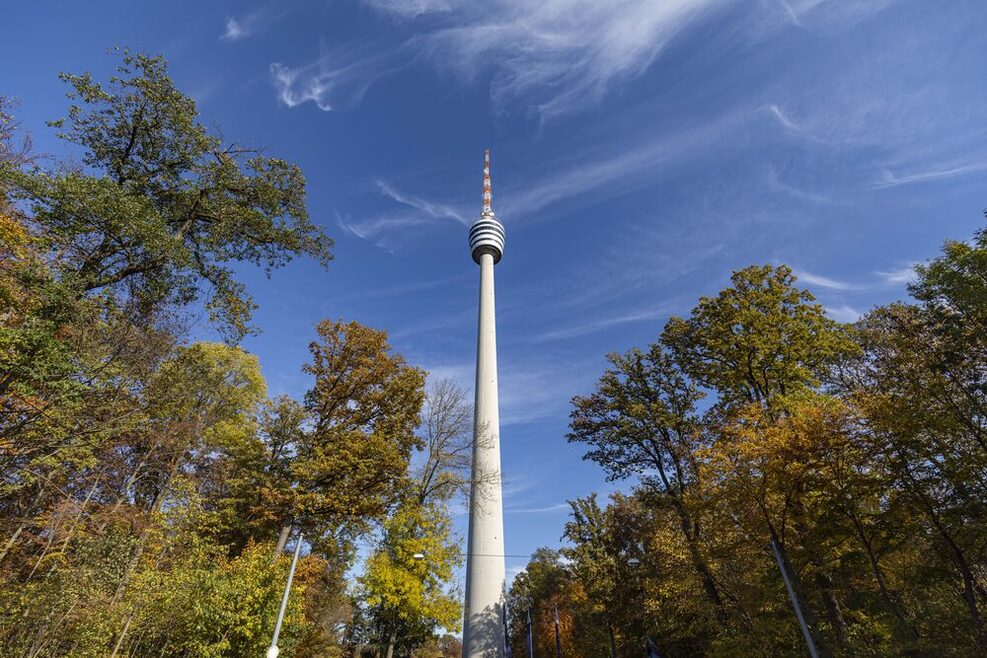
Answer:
[(486, 233), (487, 194)]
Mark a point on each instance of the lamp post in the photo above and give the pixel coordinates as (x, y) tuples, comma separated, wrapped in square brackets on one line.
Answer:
[(273, 651)]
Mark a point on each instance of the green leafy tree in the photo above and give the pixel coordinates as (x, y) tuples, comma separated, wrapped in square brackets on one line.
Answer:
[(605, 558), (163, 206), (338, 461), (935, 453), (757, 340), (642, 420), (405, 581)]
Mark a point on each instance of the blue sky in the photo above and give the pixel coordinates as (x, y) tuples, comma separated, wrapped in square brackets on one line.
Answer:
[(641, 151)]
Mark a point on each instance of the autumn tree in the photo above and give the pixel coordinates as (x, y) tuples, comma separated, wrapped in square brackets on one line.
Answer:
[(544, 584), (935, 453), (405, 580), (338, 460), (642, 421), (757, 340)]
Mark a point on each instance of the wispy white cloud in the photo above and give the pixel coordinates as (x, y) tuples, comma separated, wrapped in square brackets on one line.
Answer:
[(334, 77), (886, 278), (898, 276), (557, 507), (619, 171), (555, 56), (889, 179), (559, 55), (818, 14), (776, 183), (515, 485), (827, 282), (790, 125), (843, 313), (792, 14), (377, 229), (388, 230), (530, 389), (538, 388), (411, 8), (403, 288), (433, 209), (251, 24), (832, 13), (604, 323), (588, 175), (234, 30), (313, 87)]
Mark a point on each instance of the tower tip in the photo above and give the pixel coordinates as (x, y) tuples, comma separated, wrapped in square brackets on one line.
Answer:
[(486, 233), (487, 193)]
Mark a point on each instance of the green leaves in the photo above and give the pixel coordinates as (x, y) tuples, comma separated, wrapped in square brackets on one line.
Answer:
[(641, 417), (870, 486), (758, 339), (162, 205)]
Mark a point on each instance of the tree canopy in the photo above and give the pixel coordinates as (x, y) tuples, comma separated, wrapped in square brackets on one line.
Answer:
[(767, 442), (148, 484)]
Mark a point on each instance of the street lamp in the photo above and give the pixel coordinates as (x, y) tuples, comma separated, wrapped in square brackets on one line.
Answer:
[(273, 650)]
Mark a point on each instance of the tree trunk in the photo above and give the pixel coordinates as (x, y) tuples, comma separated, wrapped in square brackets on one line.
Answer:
[(709, 584), (282, 540), (10, 542), (958, 558), (833, 612), (391, 641), (613, 640), (691, 531), (890, 600), (123, 634)]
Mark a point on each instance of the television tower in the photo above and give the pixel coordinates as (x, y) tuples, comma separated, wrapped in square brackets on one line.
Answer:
[(483, 635)]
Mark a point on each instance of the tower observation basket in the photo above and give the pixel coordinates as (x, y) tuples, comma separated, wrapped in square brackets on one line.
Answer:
[(483, 634)]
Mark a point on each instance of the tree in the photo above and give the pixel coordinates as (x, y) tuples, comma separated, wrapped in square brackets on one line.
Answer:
[(757, 340), (641, 420), (340, 460), (603, 543), (405, 579), (447, 430), (544, 584), (935, 453), (162, 205)]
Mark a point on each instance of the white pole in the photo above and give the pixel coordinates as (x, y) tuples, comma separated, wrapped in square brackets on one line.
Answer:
[(273, 651)]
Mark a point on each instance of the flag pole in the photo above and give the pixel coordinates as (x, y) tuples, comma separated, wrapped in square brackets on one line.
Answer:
[(531, 644), (558, 638), (507, 634)]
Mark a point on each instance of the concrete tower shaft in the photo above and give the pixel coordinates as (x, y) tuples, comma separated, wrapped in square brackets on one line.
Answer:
[(483, 634)]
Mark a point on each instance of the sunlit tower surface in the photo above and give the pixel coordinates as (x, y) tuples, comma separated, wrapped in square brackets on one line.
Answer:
[(483, 635)]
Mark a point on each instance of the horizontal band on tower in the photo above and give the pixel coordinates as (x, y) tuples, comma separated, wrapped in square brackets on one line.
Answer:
[(487, 235)]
